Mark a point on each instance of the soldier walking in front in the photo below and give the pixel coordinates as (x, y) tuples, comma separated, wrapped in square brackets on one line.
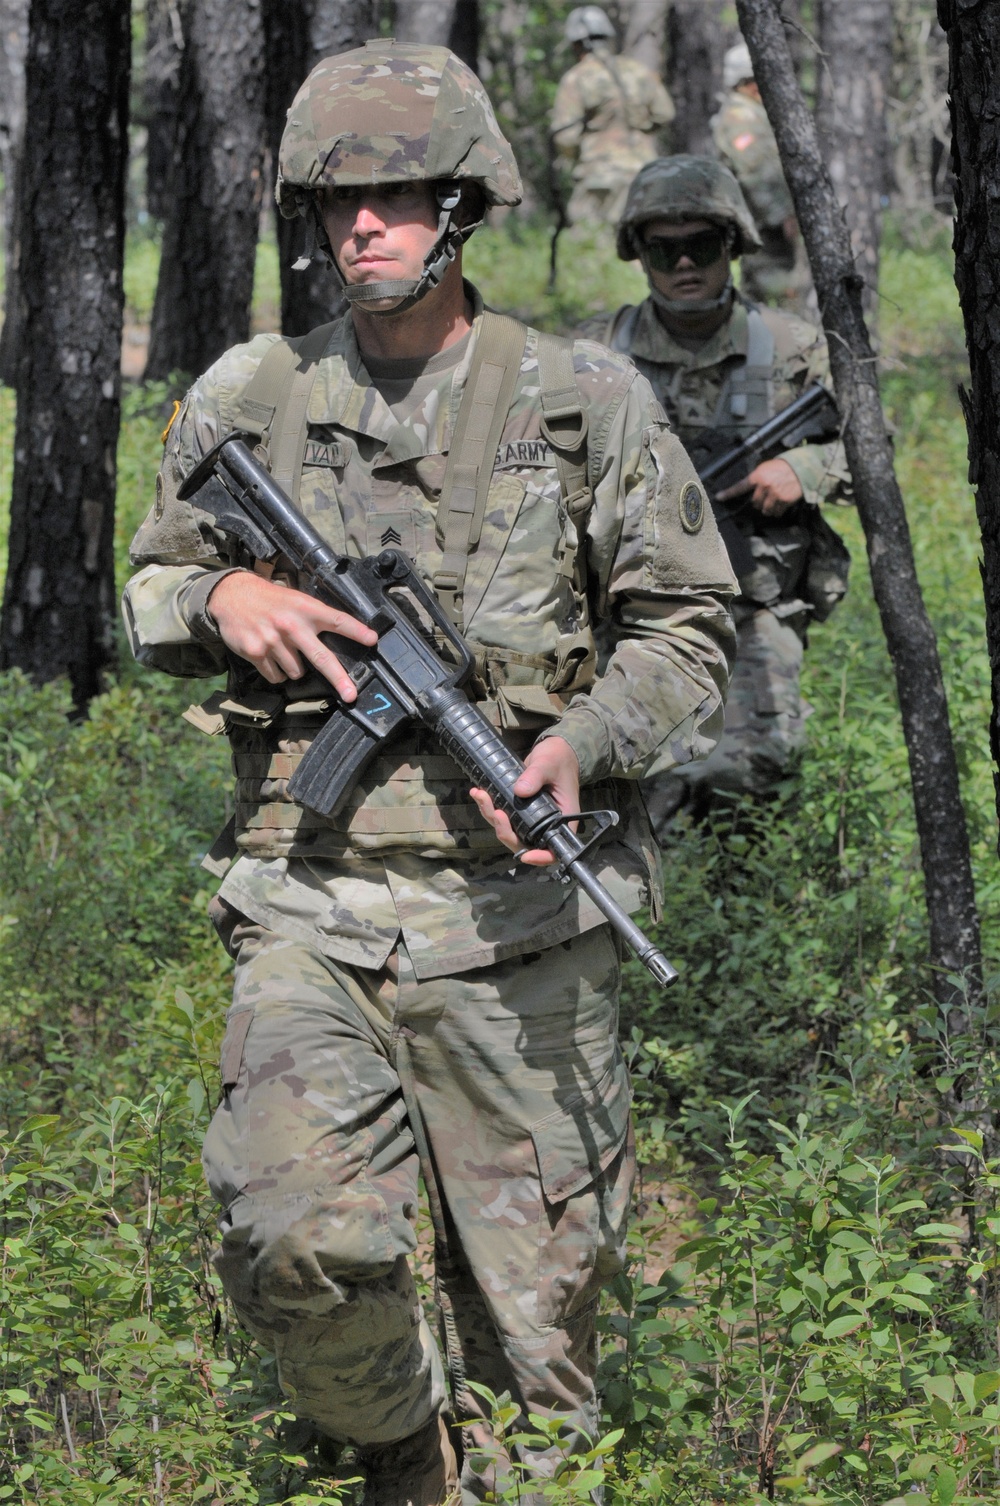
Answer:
[(722, 365), (606, 119), (412, 994)]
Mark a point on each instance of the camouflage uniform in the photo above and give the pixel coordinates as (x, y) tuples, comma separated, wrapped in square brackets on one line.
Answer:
[(405, 991), (799, 571), (779, 272), (607, 113)]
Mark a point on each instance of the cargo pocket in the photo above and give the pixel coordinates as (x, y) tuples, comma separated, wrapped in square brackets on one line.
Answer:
[(226, 1153), (586, 1165)]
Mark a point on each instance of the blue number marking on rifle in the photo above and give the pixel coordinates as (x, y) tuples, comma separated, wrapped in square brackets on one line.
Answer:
[(381, 703)]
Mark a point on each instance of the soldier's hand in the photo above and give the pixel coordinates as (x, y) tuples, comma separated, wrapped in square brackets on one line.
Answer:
[(277, 628), (551, 765), (772, 488)]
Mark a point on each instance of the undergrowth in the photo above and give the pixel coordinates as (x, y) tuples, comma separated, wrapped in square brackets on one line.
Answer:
[(811, 1312)]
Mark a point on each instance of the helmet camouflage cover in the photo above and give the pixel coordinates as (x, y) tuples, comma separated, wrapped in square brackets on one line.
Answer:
[(587, 21), (392, 112), (686, 188)]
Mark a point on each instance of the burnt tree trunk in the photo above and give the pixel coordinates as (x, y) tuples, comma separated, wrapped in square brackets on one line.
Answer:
[(974, 80), (59, 598), (300, 33), (852, 87), (160, 99), (944, 844), (645, 31), (696, 40), (205, 285), (13, 45)]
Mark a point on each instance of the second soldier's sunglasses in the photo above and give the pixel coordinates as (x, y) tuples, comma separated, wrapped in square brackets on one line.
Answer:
[(702, 248)]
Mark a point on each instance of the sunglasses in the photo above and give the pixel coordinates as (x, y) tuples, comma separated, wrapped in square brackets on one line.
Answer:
[(702, 248)]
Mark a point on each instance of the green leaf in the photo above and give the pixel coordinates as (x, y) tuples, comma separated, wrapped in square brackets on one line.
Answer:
[(946, 1485), (818, 1454), (986, 1384), (841, 1326)]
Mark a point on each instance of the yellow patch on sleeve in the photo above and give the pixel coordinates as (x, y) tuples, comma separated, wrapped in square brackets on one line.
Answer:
[(742, 142), (177, 409)]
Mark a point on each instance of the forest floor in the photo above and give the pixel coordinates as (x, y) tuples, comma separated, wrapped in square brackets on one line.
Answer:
[(810, 1313)]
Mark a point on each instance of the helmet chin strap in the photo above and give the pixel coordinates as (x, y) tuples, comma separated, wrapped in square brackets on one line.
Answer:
[(403, 293), (681, 306)]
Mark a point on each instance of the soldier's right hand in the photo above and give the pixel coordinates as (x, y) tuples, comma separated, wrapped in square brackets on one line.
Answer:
[(277, 628)]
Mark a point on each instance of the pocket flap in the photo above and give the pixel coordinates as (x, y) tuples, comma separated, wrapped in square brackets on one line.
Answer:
[(575, 1144)]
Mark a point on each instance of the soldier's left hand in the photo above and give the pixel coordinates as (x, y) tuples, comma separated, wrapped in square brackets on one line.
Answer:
[(772, 488), (551, 765)]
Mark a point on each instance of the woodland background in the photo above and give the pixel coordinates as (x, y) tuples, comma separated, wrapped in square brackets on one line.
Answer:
[(812, 1314)]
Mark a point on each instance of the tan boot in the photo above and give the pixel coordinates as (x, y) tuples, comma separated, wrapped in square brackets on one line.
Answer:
[(420, 1470)]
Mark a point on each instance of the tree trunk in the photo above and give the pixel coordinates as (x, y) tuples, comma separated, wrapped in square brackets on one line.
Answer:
[(299, 34), (696, 41), (59, 598), (210, 237), (944, 845), (428, 21), (852, 88), (645, 31), (974, 78), (160, 99), (13, 45)]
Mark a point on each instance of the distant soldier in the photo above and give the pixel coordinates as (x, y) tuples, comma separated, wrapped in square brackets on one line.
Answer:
[(778, 273), (607, 113), (721, 366)]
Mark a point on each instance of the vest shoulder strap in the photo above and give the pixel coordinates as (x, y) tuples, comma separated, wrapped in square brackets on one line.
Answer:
[(276, 401), (482, 414), (747, 395)]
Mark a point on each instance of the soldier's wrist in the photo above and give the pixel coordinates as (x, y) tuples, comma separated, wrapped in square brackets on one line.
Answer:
[(197, 606)]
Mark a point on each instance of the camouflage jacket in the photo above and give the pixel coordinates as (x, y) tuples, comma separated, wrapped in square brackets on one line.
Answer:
[(606, 114), (689, 383), (746, 144), (410, 853)]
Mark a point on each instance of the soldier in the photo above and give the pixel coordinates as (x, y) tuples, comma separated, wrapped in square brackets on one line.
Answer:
[(409, 998), (777, 272), (721, 366), (605, 118)]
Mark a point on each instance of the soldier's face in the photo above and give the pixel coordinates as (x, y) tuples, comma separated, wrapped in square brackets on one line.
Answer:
[(689, 277), (378, 234)]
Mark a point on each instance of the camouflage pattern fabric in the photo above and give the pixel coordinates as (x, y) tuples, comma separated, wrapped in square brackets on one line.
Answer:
[(366, 876), (605, 119), (392, 112), (790, 583), (518, 1084), (779, 272)]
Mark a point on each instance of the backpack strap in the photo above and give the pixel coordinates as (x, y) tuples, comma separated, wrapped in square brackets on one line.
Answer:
[(276, 402), (482, 414), (564, 425), (747, 396)]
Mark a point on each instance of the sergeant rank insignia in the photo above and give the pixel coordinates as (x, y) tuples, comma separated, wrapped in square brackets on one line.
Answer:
[(692, 506)]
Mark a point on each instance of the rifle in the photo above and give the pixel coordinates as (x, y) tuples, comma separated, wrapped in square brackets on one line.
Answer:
[(812, 416), (414, 673)]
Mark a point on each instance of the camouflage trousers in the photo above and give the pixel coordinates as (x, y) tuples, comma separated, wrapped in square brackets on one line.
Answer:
[(505, 1087), (765, 722)]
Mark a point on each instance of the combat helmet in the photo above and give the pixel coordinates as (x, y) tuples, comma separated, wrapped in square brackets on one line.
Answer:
[(393, 112), (736, 66), (685, 188), (588, 23)]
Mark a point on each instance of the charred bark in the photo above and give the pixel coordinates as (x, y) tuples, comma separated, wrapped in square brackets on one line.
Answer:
[(13, 45), (299, 33), (59, 599), (944, 845), (160, 99), (974, 78), (852, 89), (205, 284), (696, 40)]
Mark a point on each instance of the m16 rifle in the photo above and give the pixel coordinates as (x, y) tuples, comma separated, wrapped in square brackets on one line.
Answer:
[(413, 674), (813, 416)]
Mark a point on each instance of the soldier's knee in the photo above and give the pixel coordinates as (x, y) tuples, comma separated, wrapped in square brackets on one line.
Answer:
[(303, 1254)]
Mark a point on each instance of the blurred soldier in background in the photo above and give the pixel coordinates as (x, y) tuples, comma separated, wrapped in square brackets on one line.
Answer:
[(721, 366), (778, 272), (607, 113)]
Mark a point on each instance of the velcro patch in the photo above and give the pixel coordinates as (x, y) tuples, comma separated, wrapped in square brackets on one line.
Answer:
[(515, 453), (326, 454)]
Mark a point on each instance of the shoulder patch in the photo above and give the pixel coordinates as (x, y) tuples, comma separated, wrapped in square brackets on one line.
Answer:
[(691, 505), (745, 139)]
